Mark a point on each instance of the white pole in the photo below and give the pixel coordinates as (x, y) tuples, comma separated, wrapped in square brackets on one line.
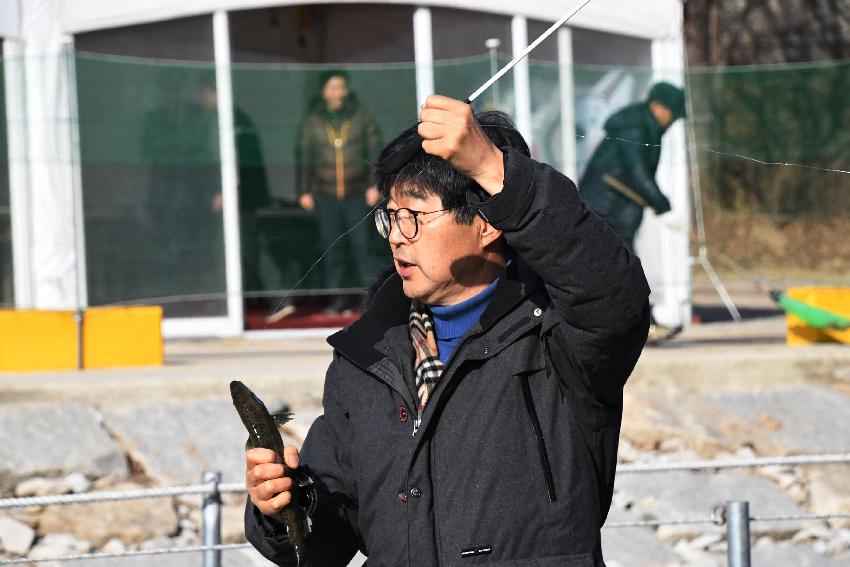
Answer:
[(522, 87), (229, 174), (657, 243), (568, 113), (49, 158), (20, 202), (80, 268), (423, 53)]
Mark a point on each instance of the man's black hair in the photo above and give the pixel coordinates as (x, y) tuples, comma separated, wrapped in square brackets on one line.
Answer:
[(425, 174), (330, 74)]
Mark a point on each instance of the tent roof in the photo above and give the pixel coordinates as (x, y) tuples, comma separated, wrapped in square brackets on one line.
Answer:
[(651, 20)]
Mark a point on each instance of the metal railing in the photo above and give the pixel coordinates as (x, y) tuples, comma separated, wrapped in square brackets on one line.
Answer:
[(735, 515)]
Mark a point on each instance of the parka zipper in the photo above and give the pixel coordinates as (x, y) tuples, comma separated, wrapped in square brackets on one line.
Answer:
[(541, 443)]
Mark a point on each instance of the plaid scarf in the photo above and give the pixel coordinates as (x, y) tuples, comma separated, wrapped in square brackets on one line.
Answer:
[(427, 367)]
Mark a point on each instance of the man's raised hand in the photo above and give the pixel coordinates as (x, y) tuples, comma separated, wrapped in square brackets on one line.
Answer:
[(449, 131)]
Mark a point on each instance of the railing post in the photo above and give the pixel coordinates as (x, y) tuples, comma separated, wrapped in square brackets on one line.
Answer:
[(79, 319), (738, 533), (211, 520)]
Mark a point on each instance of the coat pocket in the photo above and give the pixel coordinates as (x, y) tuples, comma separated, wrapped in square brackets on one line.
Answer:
[(541, 442)]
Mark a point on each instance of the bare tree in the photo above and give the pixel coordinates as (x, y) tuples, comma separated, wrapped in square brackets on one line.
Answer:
[(777, 114), (744, 32)]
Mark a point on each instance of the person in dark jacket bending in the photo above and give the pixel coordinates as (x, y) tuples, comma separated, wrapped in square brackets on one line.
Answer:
[(474, 409), (619, 181)]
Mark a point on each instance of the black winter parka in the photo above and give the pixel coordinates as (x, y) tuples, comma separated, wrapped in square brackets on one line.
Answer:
[(629, 154), (514, 461)]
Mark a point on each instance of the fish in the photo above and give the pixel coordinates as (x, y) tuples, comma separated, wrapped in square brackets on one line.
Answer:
[(263, 433)]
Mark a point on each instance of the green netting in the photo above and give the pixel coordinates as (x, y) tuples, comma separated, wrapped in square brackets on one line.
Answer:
[(776, 221), (459, 78), (151, 167), (151, 183), (599, 92), (6, 280), (277, 98), (546, 113)]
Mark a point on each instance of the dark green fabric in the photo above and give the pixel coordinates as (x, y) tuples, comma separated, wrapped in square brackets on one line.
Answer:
[(630, 155)]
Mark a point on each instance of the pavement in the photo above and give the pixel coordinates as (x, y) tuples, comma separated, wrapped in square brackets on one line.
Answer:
[(715, 354)]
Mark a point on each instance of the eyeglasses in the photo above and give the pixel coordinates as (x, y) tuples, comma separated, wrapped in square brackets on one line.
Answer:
[(407, 220)]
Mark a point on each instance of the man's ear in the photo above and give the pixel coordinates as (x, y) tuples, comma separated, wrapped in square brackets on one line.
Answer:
[(487, 233)]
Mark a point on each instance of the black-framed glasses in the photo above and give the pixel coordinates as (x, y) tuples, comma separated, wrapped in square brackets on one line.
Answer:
[(407, 220)]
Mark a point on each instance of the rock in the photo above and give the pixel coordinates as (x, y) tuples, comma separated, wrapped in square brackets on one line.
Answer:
[(797, 493), (39, 486), (705, 541), (77, 482), (159, 542), (167, 560), (668, 413), (59, 544), (684, 495), (627, 547), (695, 557), (187, 524), (810, 534), (626, 453), (835, 546), (784, 554), (175, 443), (15, 537), (131, 521), (233, 524), (187, 538), (785, 477), (114, 545), (828, 492), (798, 414), (45, 449)]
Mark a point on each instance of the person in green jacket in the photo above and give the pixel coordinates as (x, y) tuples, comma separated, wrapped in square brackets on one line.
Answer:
[(339, 140), (619, 181)]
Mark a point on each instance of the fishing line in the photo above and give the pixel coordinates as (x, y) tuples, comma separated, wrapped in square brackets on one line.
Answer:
[(727, 154), (276, 316)]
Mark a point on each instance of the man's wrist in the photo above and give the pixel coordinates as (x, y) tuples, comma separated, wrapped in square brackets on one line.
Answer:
[(492, 178)]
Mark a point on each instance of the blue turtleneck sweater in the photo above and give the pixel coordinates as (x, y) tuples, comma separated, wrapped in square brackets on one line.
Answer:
[(451, 322)]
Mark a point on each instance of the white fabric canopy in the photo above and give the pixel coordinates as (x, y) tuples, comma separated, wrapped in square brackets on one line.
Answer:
[(44, 165), (651, 20)]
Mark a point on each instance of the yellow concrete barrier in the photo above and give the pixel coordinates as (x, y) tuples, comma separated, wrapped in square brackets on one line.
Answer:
[(112, 337), (122, 336), (37, 340), (835, 299)]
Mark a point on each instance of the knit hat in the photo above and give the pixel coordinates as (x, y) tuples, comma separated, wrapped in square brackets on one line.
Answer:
[(670, 96)]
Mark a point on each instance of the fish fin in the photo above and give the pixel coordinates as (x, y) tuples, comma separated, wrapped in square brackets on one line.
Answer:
[(283, 417)]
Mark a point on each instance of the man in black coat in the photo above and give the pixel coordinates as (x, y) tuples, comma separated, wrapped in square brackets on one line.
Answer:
[(472, 414)]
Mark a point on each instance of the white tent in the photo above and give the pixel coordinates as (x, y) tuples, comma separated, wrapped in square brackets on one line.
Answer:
[(46, 184)]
